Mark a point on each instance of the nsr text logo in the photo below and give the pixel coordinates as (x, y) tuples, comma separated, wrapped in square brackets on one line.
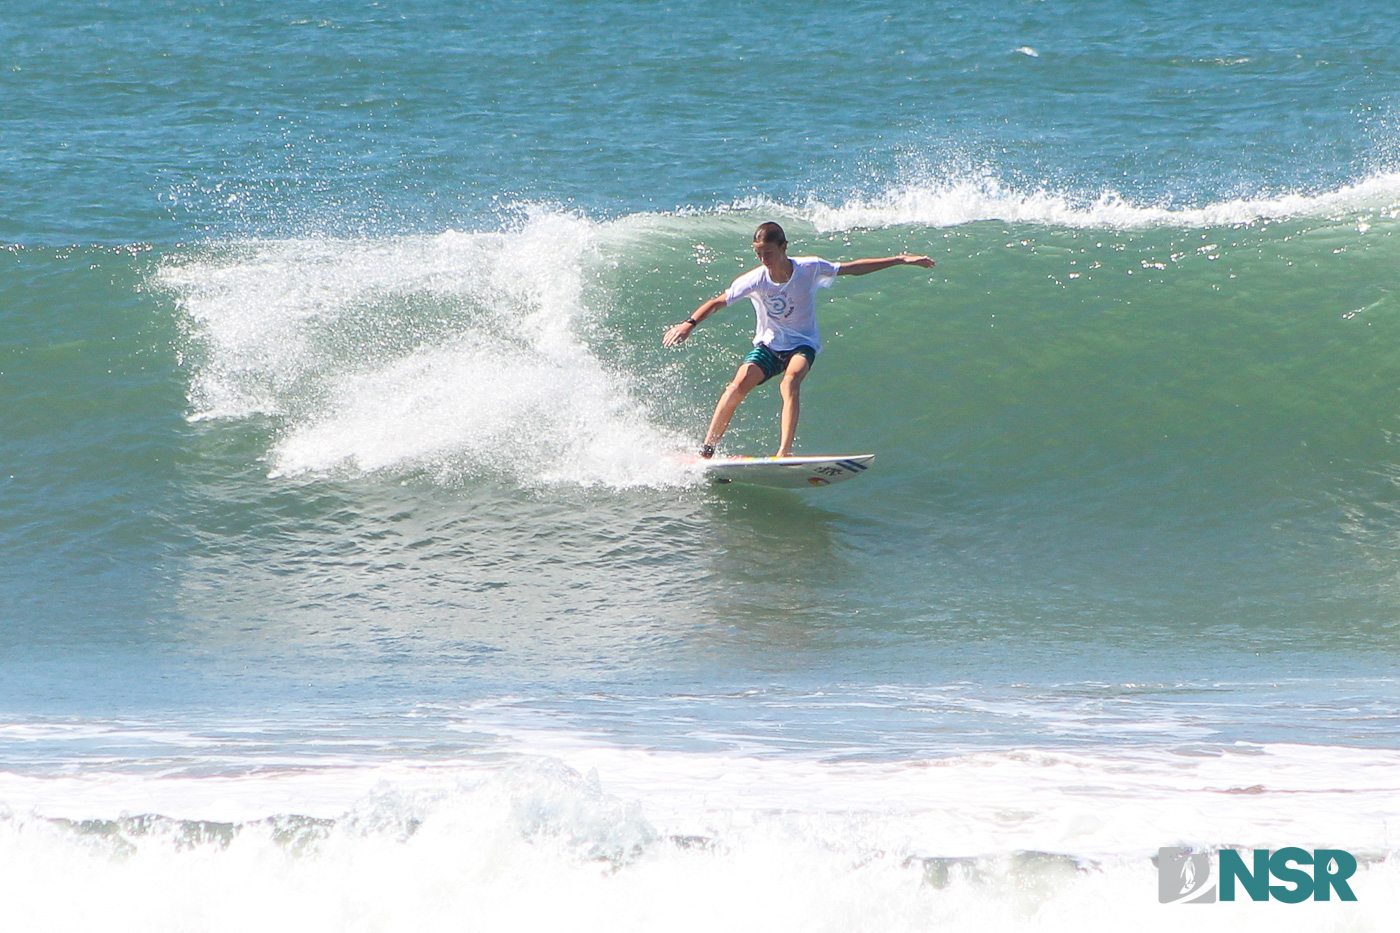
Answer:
[(1183, 876)]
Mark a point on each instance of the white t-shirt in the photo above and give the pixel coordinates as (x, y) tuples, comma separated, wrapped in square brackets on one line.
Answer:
[(787, 313)]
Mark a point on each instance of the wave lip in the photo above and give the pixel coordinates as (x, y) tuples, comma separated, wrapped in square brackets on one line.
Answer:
[(964, 200)]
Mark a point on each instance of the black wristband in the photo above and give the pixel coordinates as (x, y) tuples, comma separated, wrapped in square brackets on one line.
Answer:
[(691, 321)]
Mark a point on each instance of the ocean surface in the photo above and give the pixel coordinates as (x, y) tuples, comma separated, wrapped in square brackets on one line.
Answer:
[(350, 577)]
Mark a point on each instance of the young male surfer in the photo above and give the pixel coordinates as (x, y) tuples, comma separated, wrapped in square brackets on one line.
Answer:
[(783, 290)]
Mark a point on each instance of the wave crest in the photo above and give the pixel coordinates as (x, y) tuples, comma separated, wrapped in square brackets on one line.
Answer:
[(963, 200)]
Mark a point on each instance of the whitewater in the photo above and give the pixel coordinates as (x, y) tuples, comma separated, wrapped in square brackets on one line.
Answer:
[(350, 578)]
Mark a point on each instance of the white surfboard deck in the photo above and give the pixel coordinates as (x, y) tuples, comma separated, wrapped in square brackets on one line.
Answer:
[(785, 472)]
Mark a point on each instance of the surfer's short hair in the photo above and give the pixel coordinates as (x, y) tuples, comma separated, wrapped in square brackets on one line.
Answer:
[(769, 232)]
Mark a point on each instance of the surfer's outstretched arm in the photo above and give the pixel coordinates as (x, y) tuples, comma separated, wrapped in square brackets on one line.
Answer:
[(866, 266), (678, 332)]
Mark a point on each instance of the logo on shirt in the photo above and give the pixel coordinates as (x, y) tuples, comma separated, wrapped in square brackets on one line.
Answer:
[(777, 305)]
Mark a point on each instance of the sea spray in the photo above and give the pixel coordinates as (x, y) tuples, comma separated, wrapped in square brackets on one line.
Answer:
[(455, 354), (296, 634)]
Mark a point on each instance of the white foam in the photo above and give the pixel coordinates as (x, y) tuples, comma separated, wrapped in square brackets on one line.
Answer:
[(692, 842), (963, 198), (1093, 804), (459, 353)]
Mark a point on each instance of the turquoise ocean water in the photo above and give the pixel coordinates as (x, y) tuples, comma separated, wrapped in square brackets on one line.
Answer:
[(349, 579)]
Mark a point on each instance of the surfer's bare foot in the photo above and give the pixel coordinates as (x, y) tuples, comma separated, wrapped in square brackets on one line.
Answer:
[(783, 453), (707, 450)]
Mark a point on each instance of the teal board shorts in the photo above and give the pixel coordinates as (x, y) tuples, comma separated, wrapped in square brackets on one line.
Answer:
[(773, 362)]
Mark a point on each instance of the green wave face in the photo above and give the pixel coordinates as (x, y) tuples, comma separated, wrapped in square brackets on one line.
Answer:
[(1201, 415), (1085, 427), (1222, 362)]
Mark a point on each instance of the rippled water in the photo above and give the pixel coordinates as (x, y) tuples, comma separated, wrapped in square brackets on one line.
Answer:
[(342, 503)]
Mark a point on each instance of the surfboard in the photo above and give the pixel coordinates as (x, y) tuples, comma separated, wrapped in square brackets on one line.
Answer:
[(785, 472)]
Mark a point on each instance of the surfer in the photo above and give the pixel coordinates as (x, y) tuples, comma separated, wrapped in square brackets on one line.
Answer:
[(783, 290)]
